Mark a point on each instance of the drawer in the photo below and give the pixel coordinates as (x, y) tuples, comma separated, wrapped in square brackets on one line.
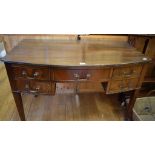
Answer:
[(123, 85), (35, 87), (81, 74), (31, 72), (127, 72)]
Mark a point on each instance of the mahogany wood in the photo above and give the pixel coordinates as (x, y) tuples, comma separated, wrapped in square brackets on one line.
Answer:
[(31, 72), (95, 75), (19, 105), (146, 45), (75, 53), (17, 96), (133, 96), (34, 66), (12, 40), (129, 71), (36, 87), (123, 85)]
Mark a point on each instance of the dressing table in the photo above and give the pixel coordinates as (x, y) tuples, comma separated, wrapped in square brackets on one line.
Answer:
[(35, 66)]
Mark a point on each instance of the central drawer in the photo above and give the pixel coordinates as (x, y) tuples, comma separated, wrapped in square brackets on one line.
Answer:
[(36, 87), (31, 72), (81, 74)]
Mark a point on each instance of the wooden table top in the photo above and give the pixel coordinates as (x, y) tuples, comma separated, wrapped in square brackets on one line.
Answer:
[(74, 53)]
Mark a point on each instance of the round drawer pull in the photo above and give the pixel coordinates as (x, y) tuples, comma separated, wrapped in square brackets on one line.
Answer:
[(76, 76), (126, 74), (36, 74), (24, 73), (37, 88), (26, 86), (88, 76)]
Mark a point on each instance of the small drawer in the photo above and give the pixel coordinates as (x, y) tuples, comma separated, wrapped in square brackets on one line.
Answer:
[(31, 72), (36, 87), (127, 72), (81, 74), (122, 85)]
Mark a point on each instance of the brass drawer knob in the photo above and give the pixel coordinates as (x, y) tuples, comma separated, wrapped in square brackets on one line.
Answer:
[(36, 74), (76, 76), (26, 86), (24, 73), (88, 76), (37, 88), (126, 74)]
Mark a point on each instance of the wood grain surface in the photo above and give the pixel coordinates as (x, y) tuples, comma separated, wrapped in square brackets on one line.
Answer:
[(87, 106), (12, 40), (84, 107), (74, 53)]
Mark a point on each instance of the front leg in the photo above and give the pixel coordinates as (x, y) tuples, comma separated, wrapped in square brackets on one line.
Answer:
[(19, 105), (130, 106)]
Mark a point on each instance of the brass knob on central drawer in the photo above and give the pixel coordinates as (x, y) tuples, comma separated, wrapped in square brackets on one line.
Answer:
[(36, 74), (88, 76), (24, 73), (76, 75), (37, 88), (26, 86)]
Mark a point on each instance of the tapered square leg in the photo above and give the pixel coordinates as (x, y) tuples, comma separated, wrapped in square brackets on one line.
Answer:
[(130, 106), (19, 105)]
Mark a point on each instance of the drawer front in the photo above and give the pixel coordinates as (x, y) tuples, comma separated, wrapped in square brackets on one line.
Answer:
[(30, 72), (127, 72), (123, 85), (81, 74), (36, 87)]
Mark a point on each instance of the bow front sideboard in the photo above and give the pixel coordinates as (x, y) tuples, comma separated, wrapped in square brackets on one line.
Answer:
[(36, 66)]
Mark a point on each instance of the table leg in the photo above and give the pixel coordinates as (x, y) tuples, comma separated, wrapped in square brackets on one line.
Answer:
[(19, 105), (17, 95), (134, 94)]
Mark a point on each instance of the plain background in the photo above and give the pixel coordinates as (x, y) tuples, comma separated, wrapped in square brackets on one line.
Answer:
[(77, 17)]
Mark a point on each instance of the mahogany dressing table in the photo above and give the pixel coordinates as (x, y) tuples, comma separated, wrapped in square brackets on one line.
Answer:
[(36, 66)]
